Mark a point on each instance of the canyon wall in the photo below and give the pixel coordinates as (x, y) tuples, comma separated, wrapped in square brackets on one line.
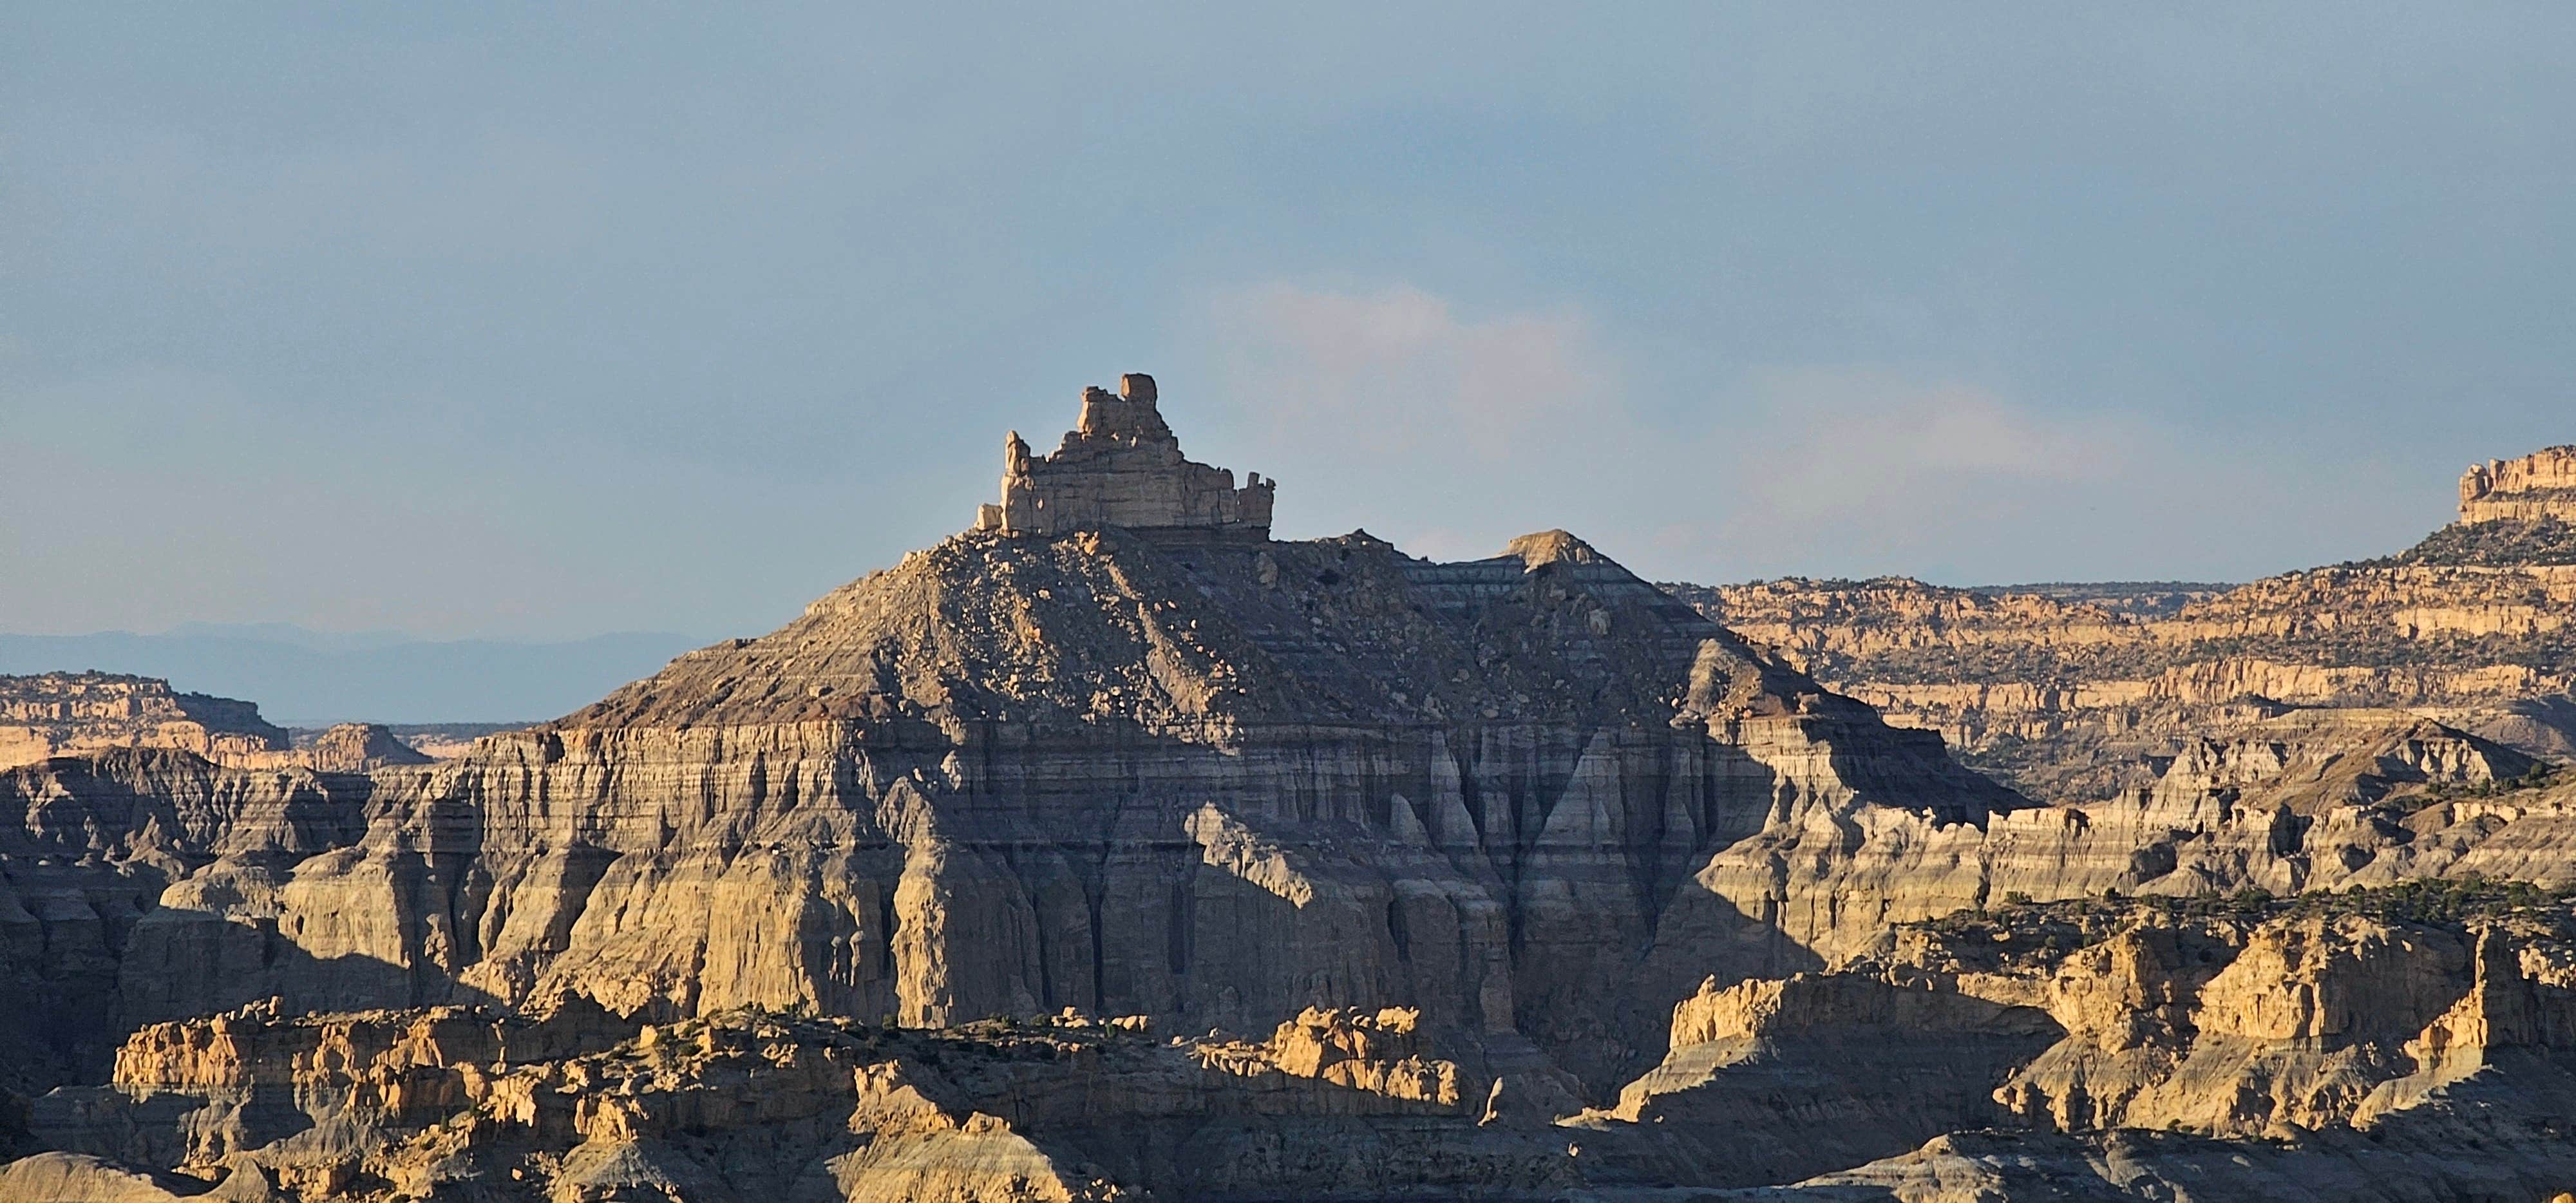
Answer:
[(2378, 1045), (2072, 699)]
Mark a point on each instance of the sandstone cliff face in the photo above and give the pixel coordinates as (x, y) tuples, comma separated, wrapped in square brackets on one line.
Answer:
[(75, 714), (2305, 802), (353, 748), (95, 846), (1121, 466), (2076, 701), (1780, 1080), (1215, 782), (2538, 486), (2410, 1043), (67, 713)]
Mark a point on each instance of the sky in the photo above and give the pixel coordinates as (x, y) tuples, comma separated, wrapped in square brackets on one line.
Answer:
[(531, 321)]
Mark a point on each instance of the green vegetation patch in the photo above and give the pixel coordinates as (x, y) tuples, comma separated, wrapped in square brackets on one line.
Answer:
[(2499, 544), (2430, 901), (2375, 647)]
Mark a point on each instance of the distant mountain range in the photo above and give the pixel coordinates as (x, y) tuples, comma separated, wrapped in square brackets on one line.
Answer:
[(306, 678)]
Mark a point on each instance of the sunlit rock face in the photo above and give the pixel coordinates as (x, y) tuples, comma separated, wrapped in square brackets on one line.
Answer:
[(454, 1103), (1121, 466), (2409, 1044), (69, 713), (2532, 487), (2080, 693)]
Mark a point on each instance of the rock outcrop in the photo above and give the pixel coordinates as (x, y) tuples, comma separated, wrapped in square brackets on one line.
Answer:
[(1121, 466), (71, 714), (1215, 781), (1777, 1081), (2397, 1045), (2077, 696), (2410, 1043), (65, 713), (2541, 485), (356, 748), (453, 1103)]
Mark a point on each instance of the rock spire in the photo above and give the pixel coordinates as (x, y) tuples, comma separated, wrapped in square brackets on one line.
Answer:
[(1121, 466)]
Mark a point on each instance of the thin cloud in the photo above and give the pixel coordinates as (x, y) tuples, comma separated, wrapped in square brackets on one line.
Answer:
[(1460, 430), (1403, 365), (1890, 445), (1864, 470)]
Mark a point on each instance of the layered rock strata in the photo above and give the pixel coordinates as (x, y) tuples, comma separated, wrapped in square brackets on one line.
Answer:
[(1461, 837), (2402, 1044), (56, 714), (1211, 780), (2074, 698), (2302, 804), (2392, 1045), (1215, 785), (358, 748), (73, 714), (2535, 487)]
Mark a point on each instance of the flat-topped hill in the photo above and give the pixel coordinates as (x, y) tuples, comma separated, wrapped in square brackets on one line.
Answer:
[(67, 712), (83, 713), (2075, 693)]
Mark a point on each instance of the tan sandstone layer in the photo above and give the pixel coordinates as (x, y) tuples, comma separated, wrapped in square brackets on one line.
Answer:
[(70, 714), (2538, 486), (65, 713), (2072, 700)]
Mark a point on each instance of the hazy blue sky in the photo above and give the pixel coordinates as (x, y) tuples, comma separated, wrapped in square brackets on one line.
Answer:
[(549, 320)]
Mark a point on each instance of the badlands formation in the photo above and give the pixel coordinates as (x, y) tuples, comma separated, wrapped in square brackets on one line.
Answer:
[(1115, 850), (2071, 698)]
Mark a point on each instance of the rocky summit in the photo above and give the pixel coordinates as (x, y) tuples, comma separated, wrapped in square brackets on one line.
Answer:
[(1113, 849)]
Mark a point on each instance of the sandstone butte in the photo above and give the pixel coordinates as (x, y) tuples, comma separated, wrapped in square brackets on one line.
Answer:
[(1115, 850), (68, 714)]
